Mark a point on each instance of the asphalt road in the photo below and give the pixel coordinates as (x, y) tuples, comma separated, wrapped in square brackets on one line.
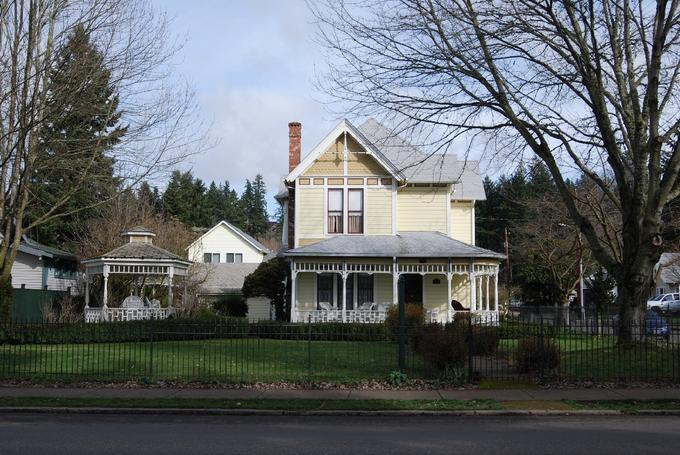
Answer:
[(167, 435)]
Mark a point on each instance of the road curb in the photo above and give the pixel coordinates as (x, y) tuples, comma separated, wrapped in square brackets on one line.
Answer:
[(319, 413)]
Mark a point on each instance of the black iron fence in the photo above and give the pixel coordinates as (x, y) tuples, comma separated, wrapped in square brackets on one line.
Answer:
[(232, 350)]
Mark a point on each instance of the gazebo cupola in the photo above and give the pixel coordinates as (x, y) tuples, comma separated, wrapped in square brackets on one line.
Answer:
[(137, 234), (149, 265)]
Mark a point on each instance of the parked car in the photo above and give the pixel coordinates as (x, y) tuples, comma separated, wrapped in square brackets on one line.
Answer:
[(664, 302), (655, 325)]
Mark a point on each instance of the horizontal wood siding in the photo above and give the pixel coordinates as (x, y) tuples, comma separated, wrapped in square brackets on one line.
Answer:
[(422, 209), (27, 270), (306, 288), (435, 294), (223, 240), (383, 288), (461, 221), (310, 213), (379, 211)]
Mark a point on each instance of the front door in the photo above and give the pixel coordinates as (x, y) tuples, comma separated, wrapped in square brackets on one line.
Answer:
[(411, 288)]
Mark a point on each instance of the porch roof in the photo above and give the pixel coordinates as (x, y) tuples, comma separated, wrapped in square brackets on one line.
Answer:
[(406, 244)]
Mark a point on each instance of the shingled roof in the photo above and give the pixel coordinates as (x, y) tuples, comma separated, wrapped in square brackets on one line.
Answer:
[(140, 251), (406, 244)]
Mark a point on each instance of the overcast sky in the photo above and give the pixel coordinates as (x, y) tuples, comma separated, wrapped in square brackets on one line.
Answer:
[(252, 65)]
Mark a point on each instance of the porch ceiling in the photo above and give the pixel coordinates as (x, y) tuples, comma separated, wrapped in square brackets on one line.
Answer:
[(404, 245)]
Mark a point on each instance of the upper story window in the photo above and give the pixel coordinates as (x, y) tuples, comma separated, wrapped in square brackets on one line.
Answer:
[(341, 221), (355, 211), (211, 257), (335, 211)]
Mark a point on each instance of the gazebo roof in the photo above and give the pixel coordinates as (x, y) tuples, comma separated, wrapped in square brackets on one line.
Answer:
[(137, 256), (140, 251)]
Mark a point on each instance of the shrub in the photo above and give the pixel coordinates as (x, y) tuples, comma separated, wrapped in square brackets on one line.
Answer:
[(443, 347), (414, 318), (485, 340), (537, 354), (232, 305)]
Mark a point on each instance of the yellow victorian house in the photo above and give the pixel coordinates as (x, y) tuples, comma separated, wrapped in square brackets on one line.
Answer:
[(373, 221)]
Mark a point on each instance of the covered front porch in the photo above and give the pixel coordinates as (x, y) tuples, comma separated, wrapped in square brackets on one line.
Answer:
[(363, 289)]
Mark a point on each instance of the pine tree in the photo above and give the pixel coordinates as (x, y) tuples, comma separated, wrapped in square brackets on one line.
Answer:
[(84, 123)]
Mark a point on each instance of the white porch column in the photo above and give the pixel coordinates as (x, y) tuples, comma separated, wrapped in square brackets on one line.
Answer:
[(344, 291), (473, 289), (171, 274), (495, 290), (395, 282), (449, 308), (293, 292), (105, 299), (87, 291), (480, 297), (487, 299)]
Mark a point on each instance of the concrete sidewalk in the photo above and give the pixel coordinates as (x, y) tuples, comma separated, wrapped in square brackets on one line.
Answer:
[(257, 393)]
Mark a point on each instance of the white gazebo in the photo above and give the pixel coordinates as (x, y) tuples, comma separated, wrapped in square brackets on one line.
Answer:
[(138, 256)]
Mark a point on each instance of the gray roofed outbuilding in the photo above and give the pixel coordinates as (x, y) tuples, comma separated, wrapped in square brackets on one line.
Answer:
[(406, 244), (221, 278)]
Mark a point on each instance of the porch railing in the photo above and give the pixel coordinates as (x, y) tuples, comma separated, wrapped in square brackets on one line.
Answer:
[(126, 314), (362, 316)]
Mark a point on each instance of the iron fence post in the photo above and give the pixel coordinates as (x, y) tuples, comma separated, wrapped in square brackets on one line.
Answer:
[(309, 348), (402, 337), (471, 348), (151, 349)]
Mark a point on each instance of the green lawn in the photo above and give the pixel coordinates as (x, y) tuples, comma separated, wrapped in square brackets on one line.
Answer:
[(250, 360), (226, 360)]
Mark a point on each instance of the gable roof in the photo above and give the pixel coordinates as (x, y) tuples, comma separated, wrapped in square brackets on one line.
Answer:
[(405, 244), (345, 126), (404, 161), (34, 248), (247, 238)]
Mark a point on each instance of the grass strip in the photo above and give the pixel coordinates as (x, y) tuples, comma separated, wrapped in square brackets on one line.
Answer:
[(627, 406), (269, 404)]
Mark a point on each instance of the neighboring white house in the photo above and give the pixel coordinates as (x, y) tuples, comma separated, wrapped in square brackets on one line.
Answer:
[(40, 267), (225, 243), (667, 274)]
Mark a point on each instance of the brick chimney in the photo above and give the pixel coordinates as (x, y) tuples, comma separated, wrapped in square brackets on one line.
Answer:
[(294, 144)]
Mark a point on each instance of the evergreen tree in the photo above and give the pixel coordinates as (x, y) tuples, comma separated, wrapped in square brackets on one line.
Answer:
[(83, 124)]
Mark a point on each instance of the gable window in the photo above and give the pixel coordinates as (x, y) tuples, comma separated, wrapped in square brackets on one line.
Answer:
[(211, 258), (335, 211), (355, 211), (234, 258)]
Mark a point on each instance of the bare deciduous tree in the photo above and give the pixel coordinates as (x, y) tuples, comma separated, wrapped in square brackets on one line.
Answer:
[(155, 107), (590, 87)]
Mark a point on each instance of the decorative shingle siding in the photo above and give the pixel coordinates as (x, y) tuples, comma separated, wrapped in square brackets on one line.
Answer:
[(422, 209), (330, 162)]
